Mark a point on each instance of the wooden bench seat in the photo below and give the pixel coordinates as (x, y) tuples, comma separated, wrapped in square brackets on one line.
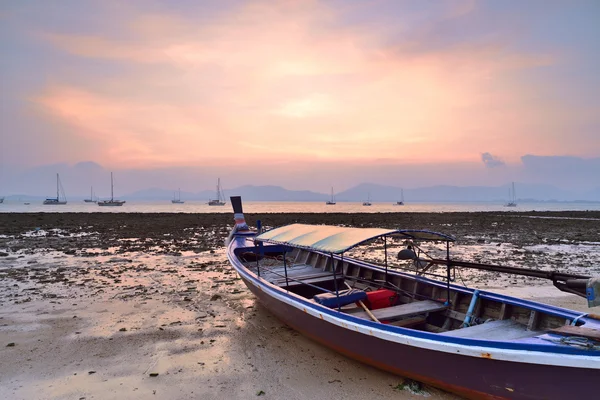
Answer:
[(568, 330), (309, 278), (404, 310), (502, 330)]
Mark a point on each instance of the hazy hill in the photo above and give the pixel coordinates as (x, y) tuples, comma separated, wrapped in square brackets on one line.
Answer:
[(383, 193)]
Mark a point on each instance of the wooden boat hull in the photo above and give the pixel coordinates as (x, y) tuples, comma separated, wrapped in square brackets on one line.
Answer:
[(471, 368), (471, 377), (111, 204)]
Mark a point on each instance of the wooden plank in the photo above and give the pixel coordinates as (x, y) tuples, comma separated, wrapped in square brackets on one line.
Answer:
[(448, 321), (570, 330), (313, 281), (433, 328), (405, 310), (408, 322), (456, 315), (533, 320), (281, 280), (504, 310)]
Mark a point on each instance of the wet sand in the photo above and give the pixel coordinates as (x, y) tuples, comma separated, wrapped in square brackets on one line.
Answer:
[(96, 304)]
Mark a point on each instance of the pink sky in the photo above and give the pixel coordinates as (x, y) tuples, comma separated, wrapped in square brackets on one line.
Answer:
[(140, 86)]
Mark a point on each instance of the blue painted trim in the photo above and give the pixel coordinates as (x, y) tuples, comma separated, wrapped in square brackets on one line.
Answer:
[(543, 346)]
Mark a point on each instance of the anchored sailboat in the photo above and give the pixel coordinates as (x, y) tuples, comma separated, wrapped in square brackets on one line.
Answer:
[(332, 201), (112, 202), (401, 202), (60, 199), (220, 200), (368, 202), (91, 199), (177, 198), (512, 202)]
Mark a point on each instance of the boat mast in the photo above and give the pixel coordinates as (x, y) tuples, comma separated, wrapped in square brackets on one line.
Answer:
[(111, 187), (514, 195), (57, 198)]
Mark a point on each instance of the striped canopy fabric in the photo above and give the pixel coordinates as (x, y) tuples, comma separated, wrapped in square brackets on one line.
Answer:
[(338, 239)]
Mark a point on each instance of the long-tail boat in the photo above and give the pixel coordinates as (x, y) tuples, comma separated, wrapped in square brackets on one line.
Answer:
[(419, 325)]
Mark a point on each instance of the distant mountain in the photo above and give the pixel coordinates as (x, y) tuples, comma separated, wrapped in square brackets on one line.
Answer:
[(166, 194), (248, 192), (359, 193), (275, 193)]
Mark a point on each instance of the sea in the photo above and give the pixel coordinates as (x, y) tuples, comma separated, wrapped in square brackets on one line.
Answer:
[(261, 207)]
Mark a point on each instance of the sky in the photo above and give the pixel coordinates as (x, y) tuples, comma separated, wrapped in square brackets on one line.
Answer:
[(303, 94)]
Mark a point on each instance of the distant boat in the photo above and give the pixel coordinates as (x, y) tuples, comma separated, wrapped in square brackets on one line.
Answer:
[(332, 201), (91, 199), (60, 199), (401, 202), (368, 202), (512, 202), (220, 200), (27, 204), (177, 199), (112, 202), (1, 200)]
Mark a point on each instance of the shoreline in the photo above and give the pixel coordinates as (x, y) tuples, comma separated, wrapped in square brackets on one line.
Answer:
[(95, 303)]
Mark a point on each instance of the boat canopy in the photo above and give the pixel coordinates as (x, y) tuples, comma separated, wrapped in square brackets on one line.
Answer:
[(338, 239)]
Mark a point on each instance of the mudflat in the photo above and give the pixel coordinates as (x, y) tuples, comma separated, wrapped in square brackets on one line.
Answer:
[(125, 305)]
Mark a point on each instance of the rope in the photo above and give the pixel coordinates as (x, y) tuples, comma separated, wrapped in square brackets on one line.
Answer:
[(576, 341)]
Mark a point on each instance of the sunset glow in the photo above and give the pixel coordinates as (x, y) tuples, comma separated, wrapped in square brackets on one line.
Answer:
[(359, 83)]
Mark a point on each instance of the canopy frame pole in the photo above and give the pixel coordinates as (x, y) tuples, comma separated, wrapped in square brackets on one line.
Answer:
[(335, 285), (386, 257), (448, 266), (287, 284), (257, 252)]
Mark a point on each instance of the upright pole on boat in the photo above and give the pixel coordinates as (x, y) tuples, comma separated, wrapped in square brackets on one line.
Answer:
[(287, 284), (260, 249), (337, 292), (386, 263), (447, 273)]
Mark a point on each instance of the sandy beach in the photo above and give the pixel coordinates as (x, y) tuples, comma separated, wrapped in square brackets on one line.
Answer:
[(132, 306)]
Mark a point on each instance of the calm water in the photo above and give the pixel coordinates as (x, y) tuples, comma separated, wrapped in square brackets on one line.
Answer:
[(290, 207)]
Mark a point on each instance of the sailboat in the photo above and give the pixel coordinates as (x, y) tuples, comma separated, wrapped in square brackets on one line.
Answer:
[(368, 202), (91, 199), (177, 199), (220, 200), (512, 202), (60, 199), (332, 201), (401, 202), (112, 202)]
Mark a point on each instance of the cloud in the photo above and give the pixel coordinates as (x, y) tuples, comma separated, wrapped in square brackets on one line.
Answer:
[(491, 161), (300, 81)]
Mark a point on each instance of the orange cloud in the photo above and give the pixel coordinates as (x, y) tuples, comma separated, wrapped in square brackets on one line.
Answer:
[(287, 80)]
